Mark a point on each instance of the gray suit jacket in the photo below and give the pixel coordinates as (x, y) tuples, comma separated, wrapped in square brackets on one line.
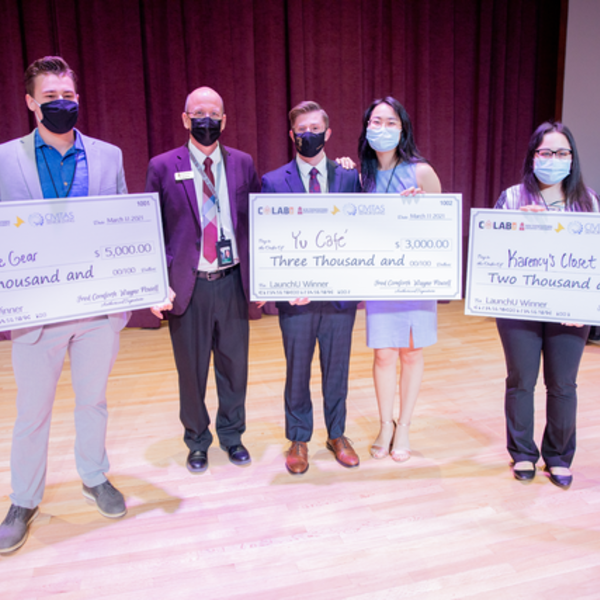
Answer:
[(19, 180)]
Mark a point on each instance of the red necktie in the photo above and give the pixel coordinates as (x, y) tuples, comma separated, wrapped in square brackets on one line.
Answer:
[(209, 212), (313, 184)]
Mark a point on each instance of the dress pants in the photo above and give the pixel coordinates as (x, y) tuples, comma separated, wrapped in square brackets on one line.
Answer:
[(215, 321), (333, 330), (562, 347), (93, 346)]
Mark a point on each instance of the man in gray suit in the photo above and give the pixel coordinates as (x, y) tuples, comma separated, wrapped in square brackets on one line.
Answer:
[(57, 161)]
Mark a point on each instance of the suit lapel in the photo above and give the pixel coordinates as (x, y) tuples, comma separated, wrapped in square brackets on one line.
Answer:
[(28, 164), (183, 164), (231, 178), (94, 164), (333, 181), (293, 179)]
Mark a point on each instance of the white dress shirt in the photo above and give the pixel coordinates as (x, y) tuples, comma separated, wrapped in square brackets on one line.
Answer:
[(224, 217), (305, 169)]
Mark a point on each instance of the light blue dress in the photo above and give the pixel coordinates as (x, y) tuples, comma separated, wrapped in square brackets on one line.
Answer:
[(389, 322)]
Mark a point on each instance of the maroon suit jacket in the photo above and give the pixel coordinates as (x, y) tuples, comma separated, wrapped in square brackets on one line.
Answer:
[(181, 221)]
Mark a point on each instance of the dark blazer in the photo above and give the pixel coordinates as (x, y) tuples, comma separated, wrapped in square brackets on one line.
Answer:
[(287, 179), (181, 221)]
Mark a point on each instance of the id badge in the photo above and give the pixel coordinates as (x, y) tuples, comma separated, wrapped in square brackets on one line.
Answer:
[(224, 253)]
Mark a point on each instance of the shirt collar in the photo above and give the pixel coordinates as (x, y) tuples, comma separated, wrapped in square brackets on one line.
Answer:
[(40, 143), (305, 167), (216, 156)]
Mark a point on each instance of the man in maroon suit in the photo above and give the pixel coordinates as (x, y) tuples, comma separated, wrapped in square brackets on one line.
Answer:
[(204, 188)]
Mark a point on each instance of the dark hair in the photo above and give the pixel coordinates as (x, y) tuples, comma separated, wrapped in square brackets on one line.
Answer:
[(406, 150), (304, 108), (43, 66), (574, 190)]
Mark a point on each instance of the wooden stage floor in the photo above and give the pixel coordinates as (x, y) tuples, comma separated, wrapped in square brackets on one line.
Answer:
[(450, 523)]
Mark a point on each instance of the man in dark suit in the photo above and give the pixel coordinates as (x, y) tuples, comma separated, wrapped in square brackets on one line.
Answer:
[(57, 161), (302, 322), (204, 188)]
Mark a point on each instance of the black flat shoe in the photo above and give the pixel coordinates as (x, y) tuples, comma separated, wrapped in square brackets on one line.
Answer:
[(562, 480), (523, 470), (238, 454), (197, 461)]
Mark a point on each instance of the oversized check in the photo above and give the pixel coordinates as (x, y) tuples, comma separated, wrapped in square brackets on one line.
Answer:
[(534, 266), (355, 246), (71, 258)]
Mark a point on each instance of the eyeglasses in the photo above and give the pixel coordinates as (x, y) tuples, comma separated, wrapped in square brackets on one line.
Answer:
[(561, 153), (201, 115), (377, 123)]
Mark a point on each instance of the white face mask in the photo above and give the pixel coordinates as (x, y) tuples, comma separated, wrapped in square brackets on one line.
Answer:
[(551, 170), (383, 139)]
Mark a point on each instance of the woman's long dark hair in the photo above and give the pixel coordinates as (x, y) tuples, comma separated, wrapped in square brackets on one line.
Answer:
[(406, 150), (574, 190)]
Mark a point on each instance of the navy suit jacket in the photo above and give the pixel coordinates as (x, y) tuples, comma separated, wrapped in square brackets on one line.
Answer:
[(181, 221), (287, 180)]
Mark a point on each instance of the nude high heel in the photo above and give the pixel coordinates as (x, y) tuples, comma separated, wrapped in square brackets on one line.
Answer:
[(381, 446), (400, 451)]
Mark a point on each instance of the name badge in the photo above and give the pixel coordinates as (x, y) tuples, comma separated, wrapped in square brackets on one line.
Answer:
[(224, 253), (183, 175)]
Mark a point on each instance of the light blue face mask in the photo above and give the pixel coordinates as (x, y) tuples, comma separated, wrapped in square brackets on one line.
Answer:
[(383, 139), (551, 170)]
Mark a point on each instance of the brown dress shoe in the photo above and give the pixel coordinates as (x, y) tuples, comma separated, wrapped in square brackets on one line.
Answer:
[(296, 460), (344, 452)]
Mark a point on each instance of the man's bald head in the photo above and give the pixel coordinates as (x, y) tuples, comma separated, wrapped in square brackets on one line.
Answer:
[(203, 94), (204, 102)]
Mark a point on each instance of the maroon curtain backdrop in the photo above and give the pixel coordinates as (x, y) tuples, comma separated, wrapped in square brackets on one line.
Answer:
[(475, 76)]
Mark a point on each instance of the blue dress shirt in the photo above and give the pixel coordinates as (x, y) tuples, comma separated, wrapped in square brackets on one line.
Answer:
[(62, 176)]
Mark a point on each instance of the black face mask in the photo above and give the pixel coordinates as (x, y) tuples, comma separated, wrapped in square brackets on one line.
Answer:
[(206, 131), (309, 144), (59, 115)]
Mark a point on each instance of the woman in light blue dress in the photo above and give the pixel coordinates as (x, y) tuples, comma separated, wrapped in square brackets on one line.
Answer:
[(391, 163)]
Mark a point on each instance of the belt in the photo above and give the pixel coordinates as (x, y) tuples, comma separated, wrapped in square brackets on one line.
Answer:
[(216, 275)]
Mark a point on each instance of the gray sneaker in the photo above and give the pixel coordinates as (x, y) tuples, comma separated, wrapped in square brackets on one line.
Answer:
[(108, 499), (15, 527)]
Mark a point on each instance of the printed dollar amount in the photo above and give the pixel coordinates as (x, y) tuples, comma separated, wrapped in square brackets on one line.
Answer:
[(424, 244), (125, 250)]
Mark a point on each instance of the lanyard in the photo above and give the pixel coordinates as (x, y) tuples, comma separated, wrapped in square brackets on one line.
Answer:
[(211, 188), (391, 177), (52, 178)]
